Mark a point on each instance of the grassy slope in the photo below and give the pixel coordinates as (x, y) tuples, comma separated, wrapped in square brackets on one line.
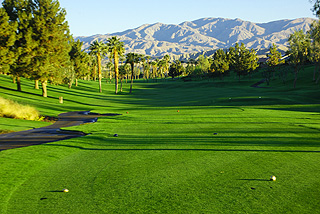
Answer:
[(167, 161)]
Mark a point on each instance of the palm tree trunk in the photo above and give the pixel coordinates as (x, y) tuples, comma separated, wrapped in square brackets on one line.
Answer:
[(95, 73), (70, 84), (44, 88), (121, 84), (99, 72), (110, 76), (132, 71), (116, 70), (36, 84)]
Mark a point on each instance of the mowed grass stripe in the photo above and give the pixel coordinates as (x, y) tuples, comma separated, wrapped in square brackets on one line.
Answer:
[(165, 161)]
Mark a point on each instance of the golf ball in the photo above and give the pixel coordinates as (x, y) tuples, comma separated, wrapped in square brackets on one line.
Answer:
[(273, 178), (65, 190)]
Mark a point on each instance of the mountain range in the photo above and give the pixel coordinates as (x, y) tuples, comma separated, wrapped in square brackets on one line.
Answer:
[(203, 35)]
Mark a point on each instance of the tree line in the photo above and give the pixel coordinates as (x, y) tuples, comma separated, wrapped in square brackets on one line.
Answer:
[(35, 43)]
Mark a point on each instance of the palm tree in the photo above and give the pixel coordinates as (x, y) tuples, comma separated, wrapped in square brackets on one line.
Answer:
[(123, 71), (131, 59), (162, 67), (109, 66), (154, 65), (116, 49), (167, 60), (98, 49), (147, 68)]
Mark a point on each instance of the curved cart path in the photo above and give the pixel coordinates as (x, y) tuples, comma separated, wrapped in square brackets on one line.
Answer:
[(50, 133)]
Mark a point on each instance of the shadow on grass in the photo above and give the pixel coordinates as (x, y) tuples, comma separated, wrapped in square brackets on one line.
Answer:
[(253, 180), (183, 149), (26, 95)]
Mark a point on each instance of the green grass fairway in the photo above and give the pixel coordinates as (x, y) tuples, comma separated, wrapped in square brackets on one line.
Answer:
[(167, 157)]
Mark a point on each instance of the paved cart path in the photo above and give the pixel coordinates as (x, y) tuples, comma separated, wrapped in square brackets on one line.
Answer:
[(50, 133)]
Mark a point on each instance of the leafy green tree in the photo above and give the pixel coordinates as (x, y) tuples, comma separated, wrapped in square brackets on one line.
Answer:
[(274, 59), (190, 66), (99, 50), (7, 40), (132, 59), (220, 64), (299, 49), (176, 69), (116, 49), (203, 63)]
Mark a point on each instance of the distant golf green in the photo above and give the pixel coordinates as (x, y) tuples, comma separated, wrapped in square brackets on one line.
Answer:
[(182, 147)]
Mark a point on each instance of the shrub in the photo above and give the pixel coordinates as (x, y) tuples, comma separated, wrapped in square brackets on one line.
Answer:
[(11, 109)]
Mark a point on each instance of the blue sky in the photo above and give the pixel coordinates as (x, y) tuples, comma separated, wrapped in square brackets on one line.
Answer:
[(109, 16)]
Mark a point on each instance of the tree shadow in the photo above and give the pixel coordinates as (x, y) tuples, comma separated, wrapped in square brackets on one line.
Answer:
[(182, 149), (253, 179)]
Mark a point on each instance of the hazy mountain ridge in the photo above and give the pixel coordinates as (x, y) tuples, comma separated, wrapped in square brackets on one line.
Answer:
[(203, 35)]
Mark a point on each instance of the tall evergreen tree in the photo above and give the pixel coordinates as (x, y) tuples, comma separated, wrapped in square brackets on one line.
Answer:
[(7, 40), (51, 31), (116, 49), (98, 49), (24, 48), (231, 55), (245, 60), (220, 63), (79, 59)]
